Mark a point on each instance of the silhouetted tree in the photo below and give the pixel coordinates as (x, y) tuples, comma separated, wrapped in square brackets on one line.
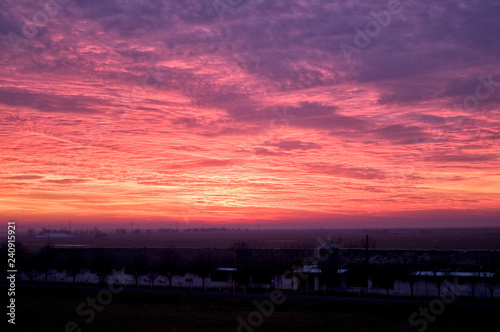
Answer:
[(153, 274), (74, 263), (492, 282), (44, 262), (103, 264), (153, 268), (137, 265), (383, 276), (410, 265), (244, 262), (204, 262), (440, 269), (170, 264), (489, 263)]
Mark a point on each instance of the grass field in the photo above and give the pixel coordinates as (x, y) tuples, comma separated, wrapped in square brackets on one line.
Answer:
[(48, 309)]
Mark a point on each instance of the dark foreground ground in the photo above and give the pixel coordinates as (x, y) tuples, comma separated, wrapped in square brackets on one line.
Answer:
[(50, 308)]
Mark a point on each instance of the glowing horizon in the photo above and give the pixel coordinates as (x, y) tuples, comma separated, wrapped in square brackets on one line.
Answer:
[(178, 112)]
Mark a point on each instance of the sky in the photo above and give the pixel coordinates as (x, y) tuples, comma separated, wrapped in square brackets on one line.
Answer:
[(296, 113)]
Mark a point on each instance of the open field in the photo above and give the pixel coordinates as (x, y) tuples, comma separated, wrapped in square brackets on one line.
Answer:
[(474, 238), (49, 309)]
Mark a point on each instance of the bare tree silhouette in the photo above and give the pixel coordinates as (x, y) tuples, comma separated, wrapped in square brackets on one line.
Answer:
[(204, 262), (137, 265), (440, 268), (170, 264), (490, 264), (410, 265), (74, 263), (102, 264)]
